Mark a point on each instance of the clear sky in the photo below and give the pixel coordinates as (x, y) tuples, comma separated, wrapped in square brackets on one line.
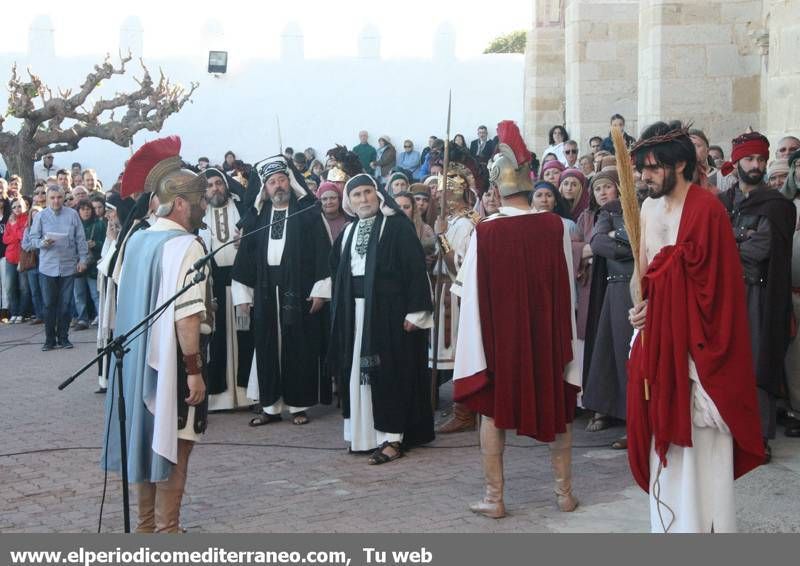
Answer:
[(253, 28)]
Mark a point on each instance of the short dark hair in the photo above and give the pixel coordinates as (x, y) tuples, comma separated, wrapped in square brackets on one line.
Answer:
[(617, 117), (550, 138), (76, 164), (62, 172), (598, 138), (669, 153), (289, 150), (206, 159), (229, 152), (483, 128), (717, 148)]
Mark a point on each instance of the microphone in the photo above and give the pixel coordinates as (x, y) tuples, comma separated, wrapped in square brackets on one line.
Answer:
[(206, 258)]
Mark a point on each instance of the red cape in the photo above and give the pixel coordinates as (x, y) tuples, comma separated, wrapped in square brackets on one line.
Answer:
[(696, 306), (524, 303)]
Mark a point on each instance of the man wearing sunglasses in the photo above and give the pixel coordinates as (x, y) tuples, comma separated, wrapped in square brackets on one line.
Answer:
[(571, 152)]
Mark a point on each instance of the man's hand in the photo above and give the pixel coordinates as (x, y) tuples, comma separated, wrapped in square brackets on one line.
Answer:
[(47, 242), (637, 315), (409, 327), (245, 308), (197, 389), (90, 244), (316, 304), (237, 234), (439, 226), (81, 267), (586, 252)]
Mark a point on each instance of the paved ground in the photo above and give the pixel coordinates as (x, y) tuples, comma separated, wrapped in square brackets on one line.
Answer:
[(285, 478)]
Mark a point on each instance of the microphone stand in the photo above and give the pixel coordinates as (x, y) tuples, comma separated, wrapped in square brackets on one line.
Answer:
[(119, 346)]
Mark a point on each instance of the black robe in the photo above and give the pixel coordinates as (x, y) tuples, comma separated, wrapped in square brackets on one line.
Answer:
[(768, 276), (296, 378), (394, 362), (218, 348), (608, 331)]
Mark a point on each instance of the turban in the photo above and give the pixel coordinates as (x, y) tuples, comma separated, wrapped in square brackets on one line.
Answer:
[(360, 180), (328, 186), (751, 143), (609, 174), (395, 177), (273, 168), (778, 166), (567, 173), (553, 164), (214, 172)]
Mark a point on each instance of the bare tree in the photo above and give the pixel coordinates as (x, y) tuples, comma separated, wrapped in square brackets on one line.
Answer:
[(42, 114)]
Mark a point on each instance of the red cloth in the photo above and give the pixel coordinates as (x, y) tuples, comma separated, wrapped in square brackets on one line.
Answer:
[(12, 238), (696, 306), (524, 304), (747, 144)]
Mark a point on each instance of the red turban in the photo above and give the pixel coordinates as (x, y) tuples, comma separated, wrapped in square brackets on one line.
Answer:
[(752, 143)]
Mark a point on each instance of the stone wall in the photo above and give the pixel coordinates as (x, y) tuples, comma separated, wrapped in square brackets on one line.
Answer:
[(544, 73), (722, 64), (601, 57)]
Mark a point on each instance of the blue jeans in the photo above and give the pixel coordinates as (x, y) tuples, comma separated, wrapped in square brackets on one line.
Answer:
[(19, 296), (36, 292), (85, 289), (57, 296)]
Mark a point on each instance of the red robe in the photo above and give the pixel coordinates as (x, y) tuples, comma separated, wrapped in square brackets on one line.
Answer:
[(525, 311), (696, 306)]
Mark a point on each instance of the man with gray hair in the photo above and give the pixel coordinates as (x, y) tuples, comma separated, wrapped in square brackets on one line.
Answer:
[(58, 234), (366, 153)]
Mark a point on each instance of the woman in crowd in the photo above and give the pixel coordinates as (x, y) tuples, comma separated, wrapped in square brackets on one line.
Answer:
[(18, 291), (86, 299), (385, 159), (572, 186), (32, 273), (556, 138), (333, 217), (460, 141), (605, 375), (489, 203), (427, 238), (40, 195), (586, 165), (551, 171), (398, 183)]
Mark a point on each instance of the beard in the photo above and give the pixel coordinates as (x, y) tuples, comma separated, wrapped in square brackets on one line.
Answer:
[(670, 181), (280, 197), (752, 177), (219, 199), (196, 218)]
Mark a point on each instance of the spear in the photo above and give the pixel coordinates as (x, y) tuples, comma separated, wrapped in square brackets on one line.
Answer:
[(437, 298), (631, 216)]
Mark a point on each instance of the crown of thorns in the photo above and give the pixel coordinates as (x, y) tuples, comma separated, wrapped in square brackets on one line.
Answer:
[(672, 135)]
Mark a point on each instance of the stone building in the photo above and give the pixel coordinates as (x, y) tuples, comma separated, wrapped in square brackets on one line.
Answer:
[(722, 64)]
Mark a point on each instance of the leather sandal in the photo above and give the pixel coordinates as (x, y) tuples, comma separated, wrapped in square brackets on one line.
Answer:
[(379, 457), (264, 419)]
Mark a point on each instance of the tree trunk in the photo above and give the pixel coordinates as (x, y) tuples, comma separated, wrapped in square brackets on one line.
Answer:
[(20, 163)]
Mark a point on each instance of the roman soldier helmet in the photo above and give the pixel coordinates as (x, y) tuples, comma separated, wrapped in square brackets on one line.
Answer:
[(157, 168), (347, 164), (509, 169)]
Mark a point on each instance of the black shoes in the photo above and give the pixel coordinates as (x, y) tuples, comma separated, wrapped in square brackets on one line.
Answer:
[(65, 344), (47, 347)]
